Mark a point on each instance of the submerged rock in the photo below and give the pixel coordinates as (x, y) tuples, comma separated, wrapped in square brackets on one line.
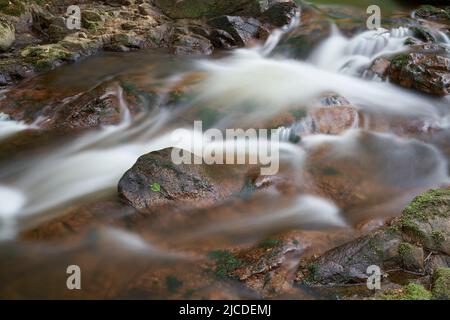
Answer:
[(422, 231), (428, 73)]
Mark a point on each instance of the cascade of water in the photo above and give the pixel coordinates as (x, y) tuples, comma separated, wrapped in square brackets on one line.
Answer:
[(353, 56), (248, 77), (9, 126)]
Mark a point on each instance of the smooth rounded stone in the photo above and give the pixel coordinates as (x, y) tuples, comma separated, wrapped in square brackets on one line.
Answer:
[(332, 114), (334, 119), (155, 181), (7, 36)]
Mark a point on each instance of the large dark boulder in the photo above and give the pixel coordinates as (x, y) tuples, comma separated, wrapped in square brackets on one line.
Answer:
[(241, 29), (155, 182), (193, 9), (281, 13)]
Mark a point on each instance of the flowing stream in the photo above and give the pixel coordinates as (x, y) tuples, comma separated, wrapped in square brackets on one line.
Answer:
[(246, 87)]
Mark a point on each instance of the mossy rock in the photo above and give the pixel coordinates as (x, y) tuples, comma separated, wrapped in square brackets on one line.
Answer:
[(93, 20), (423, 227), (78, 43), (347, 264), (426, 220), (432, 13), (412, 257), (409, 292), (422, 34), (44, 57), (12, 8), (425, 72), (226, 263), (441, 284)]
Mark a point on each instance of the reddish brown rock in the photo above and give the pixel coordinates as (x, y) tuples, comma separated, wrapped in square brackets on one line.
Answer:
[(428, 73)]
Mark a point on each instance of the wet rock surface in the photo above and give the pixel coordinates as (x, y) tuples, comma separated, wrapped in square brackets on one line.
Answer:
[(207, 8), (433, 13), (155, 181), (241, 29), (160, 201), (424, 72), (408, 243), (441, 284), (36, 38), (7, 36)]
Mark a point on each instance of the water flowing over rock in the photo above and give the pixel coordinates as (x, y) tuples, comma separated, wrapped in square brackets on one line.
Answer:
[(87, 174), (421, 232)]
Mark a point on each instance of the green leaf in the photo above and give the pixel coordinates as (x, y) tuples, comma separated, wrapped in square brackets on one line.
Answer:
[(156, 187)]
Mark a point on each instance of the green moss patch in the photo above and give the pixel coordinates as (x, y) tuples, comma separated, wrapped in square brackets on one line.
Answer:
[(173, 283), (269, 243), (409, 292), (226, 263), (441, 284)]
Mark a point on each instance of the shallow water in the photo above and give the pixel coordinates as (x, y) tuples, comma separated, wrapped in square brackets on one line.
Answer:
[(58, 198)]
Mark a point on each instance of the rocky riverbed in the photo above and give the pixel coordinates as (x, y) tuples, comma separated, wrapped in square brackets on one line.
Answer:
[(87, 176)]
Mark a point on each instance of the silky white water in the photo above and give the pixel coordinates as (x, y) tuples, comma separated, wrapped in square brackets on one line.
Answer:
[(8, 126), (247, 86)]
